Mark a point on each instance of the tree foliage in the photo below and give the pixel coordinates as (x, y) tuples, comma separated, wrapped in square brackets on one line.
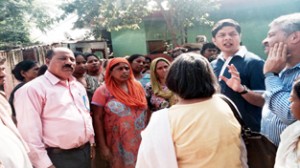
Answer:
[(15, 20), (181, 14), (12, 26), (120, 14), (106, 14)]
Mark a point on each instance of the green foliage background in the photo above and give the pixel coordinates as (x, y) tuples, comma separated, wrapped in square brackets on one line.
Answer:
[(16, 16)]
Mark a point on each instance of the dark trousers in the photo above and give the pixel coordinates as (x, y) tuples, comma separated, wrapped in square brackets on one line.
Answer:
[(73, 158)]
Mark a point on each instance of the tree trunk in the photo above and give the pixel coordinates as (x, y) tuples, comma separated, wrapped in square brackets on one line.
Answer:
[(170, 26)]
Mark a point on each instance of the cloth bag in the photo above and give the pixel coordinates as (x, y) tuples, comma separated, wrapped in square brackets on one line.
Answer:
[(261, 152)]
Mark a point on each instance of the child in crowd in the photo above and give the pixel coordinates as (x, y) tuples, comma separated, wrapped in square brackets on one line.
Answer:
[(288, 154)]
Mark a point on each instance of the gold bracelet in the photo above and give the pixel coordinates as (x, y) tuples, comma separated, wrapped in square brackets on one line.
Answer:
[(93, 144)]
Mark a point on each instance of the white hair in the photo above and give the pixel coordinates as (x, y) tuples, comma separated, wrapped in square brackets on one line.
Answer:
[(288, 23)]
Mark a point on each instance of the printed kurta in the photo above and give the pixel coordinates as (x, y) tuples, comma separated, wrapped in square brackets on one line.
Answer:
[(122, 126), (155, 102)]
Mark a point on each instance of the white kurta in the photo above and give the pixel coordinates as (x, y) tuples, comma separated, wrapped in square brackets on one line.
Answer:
[(288, 153), (156, 149), (13, 150)]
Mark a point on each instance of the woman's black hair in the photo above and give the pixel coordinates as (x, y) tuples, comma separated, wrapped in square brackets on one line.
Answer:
[(148, 59), (207, 46), (133, 57), (296, 88), (42, 70), (77, 53), (87, 55), (190, 76), (22, 66)]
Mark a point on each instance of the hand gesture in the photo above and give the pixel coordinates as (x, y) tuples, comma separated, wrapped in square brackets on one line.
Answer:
[(277, 57), (234, 82), (93, 152)]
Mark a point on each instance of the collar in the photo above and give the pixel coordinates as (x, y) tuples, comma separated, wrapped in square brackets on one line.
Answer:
[(288, 69), (241, 53), (55, 80)]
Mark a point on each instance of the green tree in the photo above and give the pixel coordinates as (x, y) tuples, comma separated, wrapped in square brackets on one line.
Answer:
[(119, 14), (15, 20)]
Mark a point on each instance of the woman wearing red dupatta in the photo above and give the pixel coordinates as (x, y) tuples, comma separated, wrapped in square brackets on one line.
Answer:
[(119, 114)]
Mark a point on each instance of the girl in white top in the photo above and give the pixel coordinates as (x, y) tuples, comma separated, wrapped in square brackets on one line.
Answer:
[(288, 153)]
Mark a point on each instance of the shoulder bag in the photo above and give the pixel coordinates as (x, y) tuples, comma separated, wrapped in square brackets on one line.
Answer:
[(261, 152)]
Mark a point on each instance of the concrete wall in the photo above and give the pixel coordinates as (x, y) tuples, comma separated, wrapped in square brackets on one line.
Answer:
[(128, 42), (253, 16)]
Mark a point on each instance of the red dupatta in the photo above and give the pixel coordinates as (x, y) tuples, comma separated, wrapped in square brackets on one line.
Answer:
[(136, 95)]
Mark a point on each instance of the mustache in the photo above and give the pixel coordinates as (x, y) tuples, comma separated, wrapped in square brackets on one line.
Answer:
[(68, 66)]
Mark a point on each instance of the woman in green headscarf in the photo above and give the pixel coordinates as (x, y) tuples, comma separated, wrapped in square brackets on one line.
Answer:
[(158, 95)]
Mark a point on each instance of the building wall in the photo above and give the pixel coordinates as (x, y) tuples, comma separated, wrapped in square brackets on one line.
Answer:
[(87, 47), (128, 42), (37, 53), (156, 30), (253, 16)]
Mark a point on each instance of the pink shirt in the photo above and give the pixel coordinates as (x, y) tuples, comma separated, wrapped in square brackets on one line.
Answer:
[(52, 113)]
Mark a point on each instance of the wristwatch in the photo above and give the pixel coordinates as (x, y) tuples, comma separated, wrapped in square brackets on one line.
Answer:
[(270, 74), (245, 90)]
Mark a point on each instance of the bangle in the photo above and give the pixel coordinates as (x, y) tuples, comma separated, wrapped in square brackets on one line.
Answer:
[(93, 144), (245, 90)]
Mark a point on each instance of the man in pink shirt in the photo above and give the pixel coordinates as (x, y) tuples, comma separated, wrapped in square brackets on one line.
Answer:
[(53, 116)]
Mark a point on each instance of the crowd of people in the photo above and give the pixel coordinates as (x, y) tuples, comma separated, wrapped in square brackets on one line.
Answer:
[(79, 111)]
